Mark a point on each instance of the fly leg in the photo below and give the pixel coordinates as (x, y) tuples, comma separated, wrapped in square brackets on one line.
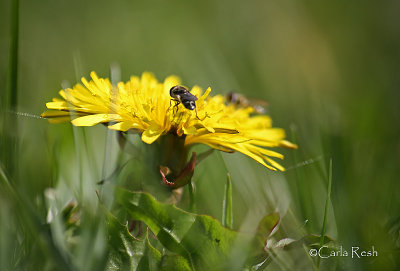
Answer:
[(176, 106), (206, 116)]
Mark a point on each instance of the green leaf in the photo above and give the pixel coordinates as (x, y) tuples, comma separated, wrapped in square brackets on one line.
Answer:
[(127, 252), (201, 239), (200, 157), (266, 227), (175, 263)]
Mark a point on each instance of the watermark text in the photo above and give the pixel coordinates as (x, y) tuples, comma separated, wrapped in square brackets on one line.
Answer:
[(355, 252)]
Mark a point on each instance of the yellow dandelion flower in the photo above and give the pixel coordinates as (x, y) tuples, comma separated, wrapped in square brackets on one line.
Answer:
[(144, 105)]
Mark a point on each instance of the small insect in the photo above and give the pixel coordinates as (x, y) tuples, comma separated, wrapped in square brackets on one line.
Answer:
[(181, 95), (242, 101)]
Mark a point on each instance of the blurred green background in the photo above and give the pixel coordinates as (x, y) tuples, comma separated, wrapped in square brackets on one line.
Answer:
[(330, 72)]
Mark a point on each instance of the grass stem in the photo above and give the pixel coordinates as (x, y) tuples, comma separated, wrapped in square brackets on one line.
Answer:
[(227, 217), (328, 198), (11, 97)]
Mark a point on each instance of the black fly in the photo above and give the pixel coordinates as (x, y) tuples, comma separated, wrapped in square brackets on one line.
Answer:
[(181, 95)]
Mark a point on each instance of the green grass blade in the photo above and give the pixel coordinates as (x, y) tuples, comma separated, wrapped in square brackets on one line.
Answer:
[(36, 236), (12, 75), (5, 183), (227, 216), (328, 198), (304, 200), (11, 95)]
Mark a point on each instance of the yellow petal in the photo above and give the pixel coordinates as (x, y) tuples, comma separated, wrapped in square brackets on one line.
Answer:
[(55, 114), (189, 130), (57, 105), (204, 96), (274, 164), (124, 126), (287, 144), (57, 100), (95, 119), (62, 94), (265, 152), (152, 133), (250, 154), (59, 120)]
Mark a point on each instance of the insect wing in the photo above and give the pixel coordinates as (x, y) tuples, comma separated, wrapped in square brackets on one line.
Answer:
[(188, 97)]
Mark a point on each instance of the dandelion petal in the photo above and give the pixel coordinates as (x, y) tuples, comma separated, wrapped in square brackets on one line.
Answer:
[(91, 120), (152, 133)]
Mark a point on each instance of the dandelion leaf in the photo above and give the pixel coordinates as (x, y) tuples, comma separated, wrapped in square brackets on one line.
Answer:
[(127, 252), (200, 239)]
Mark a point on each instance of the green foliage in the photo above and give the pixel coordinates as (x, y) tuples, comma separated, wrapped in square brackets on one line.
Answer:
[(127, 252), (266, 226), (201, 239), (175, 263)]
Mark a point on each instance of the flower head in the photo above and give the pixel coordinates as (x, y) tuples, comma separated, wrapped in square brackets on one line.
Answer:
[(144, 105)]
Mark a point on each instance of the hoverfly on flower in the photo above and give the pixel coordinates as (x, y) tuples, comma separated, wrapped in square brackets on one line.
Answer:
[(180, 95)]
